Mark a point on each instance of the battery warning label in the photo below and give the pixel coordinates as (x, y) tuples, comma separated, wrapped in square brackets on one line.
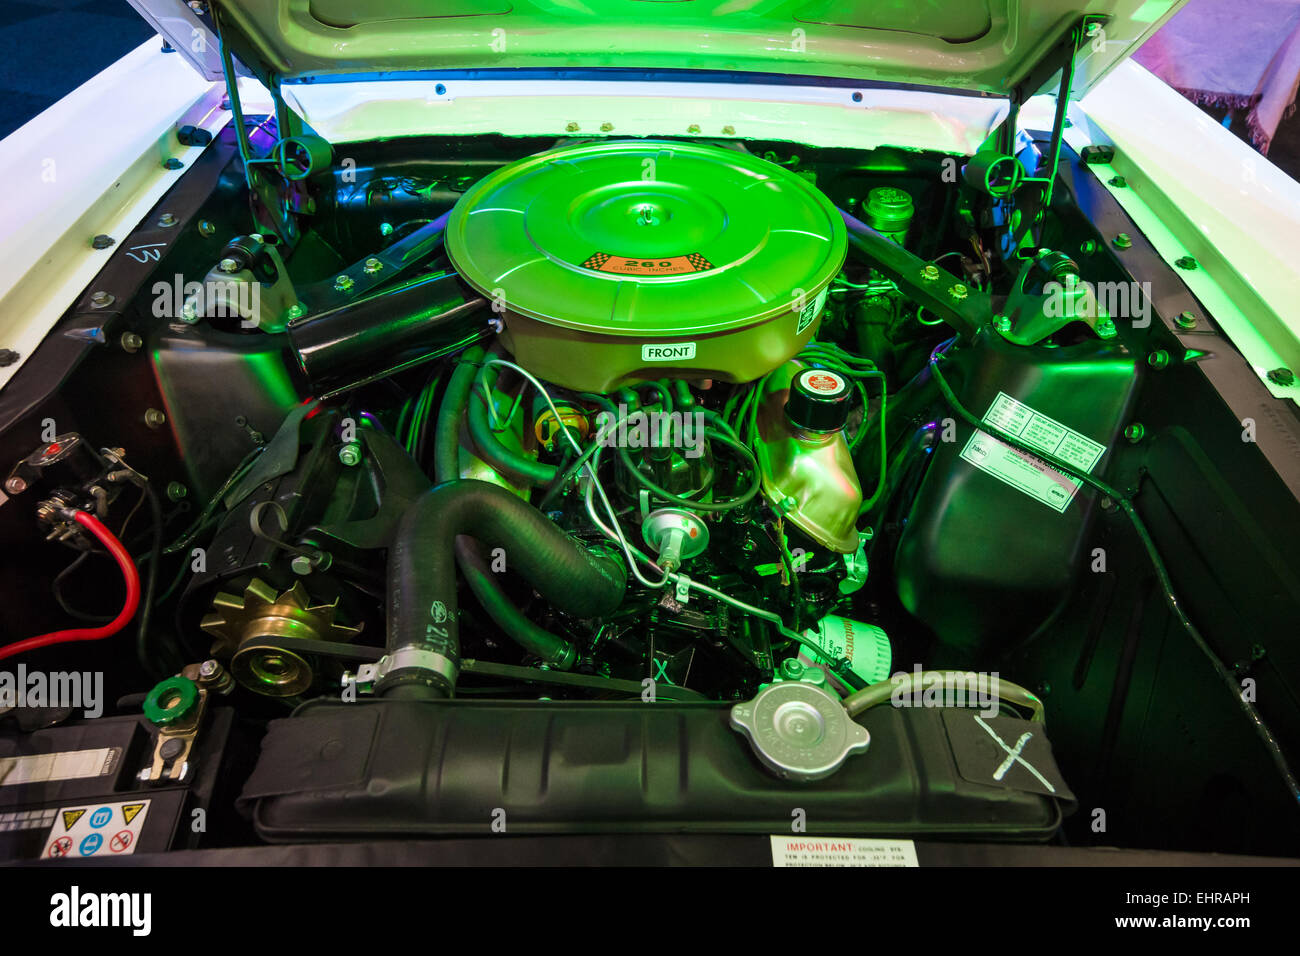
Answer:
[(1026, 472), (669, 266)]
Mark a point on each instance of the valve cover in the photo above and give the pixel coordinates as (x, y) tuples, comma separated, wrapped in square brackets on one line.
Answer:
[(625, 261)]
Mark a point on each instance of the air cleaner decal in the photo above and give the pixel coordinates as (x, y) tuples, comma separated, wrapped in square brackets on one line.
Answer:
[(669, 266)]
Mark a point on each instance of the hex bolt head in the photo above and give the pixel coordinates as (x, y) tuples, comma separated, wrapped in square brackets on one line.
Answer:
[(1119, 182), (693, 129), (206, 228), (1187, 263), (131, 342), (571, 127), (173, 163), (102, 241), (209, 668), (930, 273), (344, 284), (959, 292), (350, 453), (300, 564), (1002, 323), (154, 418), (1123, 241), (101, 299), (607, 127), (16, 485), (1282, 376), (166, 220), (1185, 320), (373, 266), (228, 265)]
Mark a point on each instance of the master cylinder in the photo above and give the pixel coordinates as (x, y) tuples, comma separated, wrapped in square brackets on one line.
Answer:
[(807, 470)]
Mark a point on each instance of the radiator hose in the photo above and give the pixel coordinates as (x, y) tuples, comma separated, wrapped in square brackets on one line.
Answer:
[(423, 645)]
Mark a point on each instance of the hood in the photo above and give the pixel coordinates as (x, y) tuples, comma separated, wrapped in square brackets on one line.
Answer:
[(980, 46)]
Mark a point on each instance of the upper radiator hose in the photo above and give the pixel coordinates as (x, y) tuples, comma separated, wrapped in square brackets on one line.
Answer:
[(423, 632)]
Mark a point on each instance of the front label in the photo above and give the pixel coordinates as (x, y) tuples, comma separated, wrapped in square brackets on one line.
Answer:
[(1023, 471), (668, 352), (669, 266)]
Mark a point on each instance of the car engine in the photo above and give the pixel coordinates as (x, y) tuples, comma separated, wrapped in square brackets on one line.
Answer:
[(622, 484)]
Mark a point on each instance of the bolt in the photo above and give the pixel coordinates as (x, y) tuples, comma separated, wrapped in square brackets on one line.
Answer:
[(15, 485), (171, 748), (1134, 432), (173, 163), (930, 273), (350, 453), (228, 265), (1123, 241), (198, 6), (190, 312), (1185, 320), (373, 266), (154, 418), (1088, 247), (176, 491), (385, 228), (1187, 263), (131, 342), (1119, 182), (1159, 359), (102, 241), (295, 311), (1106, 329), (1282, 376), (959, 292), (206, 228), (607, 127), (571, 127), (1002, 323), (101, 300), (167, 220), (693, 129), (209, 668), (343, 284), (300, 564), (728, 131)]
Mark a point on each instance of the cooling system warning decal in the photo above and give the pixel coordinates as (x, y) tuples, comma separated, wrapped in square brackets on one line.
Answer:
[(841, 851), (96, 829), (1025, 472), (671, 266)]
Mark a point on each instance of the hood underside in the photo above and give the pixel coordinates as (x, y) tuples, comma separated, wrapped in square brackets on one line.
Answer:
[(988, 46)]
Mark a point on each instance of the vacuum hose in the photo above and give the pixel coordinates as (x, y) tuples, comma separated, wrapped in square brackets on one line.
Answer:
[(423, 632)]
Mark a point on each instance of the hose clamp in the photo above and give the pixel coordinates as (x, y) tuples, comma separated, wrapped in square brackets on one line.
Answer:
[(408, 658)]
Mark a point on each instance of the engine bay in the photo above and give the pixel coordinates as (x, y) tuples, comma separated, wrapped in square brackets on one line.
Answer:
[(651, 485)]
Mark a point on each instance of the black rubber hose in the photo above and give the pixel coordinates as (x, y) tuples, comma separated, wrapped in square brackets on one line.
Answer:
[(513, 463), (469, 554), (423, 632), (446, 441), (482, 580)]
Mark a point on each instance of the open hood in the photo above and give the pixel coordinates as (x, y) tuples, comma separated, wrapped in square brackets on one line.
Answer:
[(984, 46)]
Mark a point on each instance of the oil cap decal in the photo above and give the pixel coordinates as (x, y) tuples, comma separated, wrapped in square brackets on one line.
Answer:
[(670, 266)]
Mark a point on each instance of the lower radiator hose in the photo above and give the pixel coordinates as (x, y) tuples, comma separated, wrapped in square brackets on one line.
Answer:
[(423, 645)]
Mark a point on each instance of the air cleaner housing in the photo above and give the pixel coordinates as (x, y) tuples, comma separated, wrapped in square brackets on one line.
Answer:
[(623, 261)]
